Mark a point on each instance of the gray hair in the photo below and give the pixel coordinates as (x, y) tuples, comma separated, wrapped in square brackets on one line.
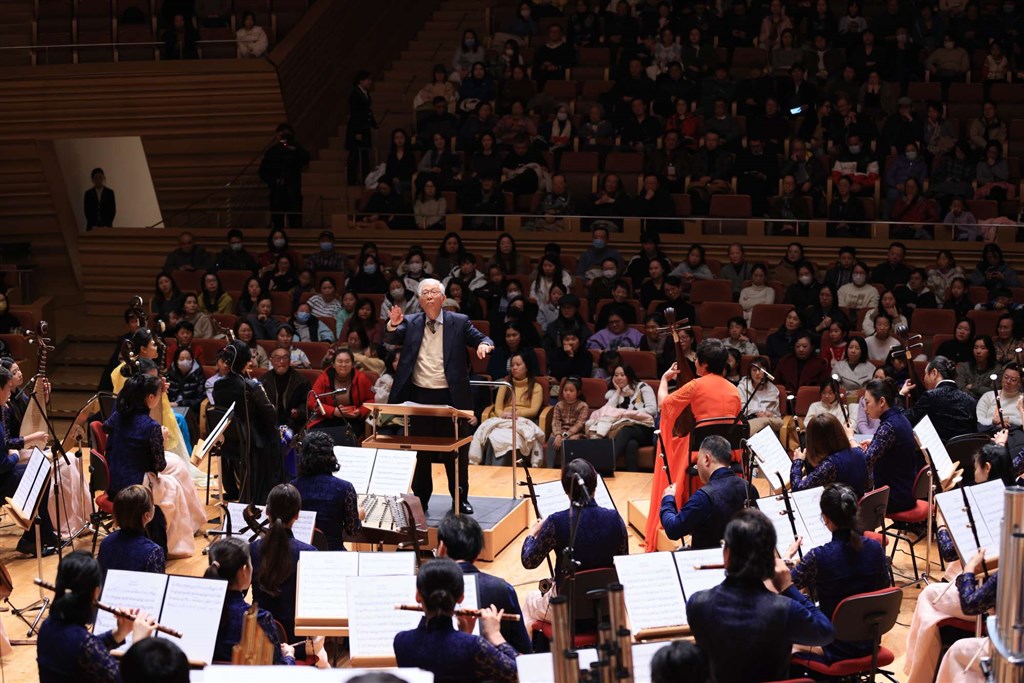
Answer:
[(429, 281)]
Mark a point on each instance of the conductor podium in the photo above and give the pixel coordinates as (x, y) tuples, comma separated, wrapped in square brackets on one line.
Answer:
[(502, 519)]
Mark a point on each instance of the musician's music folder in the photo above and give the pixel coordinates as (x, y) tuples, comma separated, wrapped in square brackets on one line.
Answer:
[(986, 501), (186, 603), (27, 497), (806, 506), (380, 471)]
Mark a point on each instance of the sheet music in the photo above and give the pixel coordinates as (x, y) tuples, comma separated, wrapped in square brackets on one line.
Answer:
[(142, 590), (694, 579), (299, 674), (653, 593), (356, 466), (392, 472), (217, 430), (321, 584), (930, 439), (470, 600), (187, 607), (386, 564), (551, 498), (986, 502), (26, 496), (771, 456), (774, 507), (539, 668), (302, 530), (373, 620), (807, 506)]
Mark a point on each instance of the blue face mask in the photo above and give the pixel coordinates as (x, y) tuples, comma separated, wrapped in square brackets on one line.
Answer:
[(598, 244), (326, 246), (302, 317), (370, 269)]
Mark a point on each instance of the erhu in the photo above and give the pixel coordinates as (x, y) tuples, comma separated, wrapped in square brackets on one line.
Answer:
[(909, 343), (531, 492)]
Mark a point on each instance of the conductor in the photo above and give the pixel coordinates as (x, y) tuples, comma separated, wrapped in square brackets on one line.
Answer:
[(433, 369)]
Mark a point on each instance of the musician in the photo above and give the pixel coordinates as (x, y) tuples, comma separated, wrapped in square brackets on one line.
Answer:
[(891, 455), (275, 557), (437, 647), (990, 463), (989, 417), (600, 535), (952, 411), (66, 651), (462, 539), (710, 395), (129, 547), (12, 414), (847, 565), (333, 499), (287, 389), (154, 660), (252, 450), (229, 560), (338, 398), (746, 630), (828, 457), (134, 318), (433, 369), (710, 508), (762, 400)]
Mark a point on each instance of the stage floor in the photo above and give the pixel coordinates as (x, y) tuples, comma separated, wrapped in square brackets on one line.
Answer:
[(485, 482)]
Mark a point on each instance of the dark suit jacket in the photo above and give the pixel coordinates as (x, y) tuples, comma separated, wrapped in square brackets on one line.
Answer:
[(360, 118), (295, 392), (458, 334), (493, 590), (99, 212), (952, 411)]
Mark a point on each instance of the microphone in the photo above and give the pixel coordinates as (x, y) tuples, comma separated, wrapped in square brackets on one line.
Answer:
[(582, 487), (767, 374), (332, 393)]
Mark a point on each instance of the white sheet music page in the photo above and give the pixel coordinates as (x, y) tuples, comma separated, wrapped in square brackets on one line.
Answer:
[(386, 564), (321, 584), (356, 466), (373, 620), (551, 498), (930, 439), (141, 590), (32, 482), (774, 507), (187, 608), (694, 569), (988, 501), (771, 457), (807, 506), (302, 530), (392, 472), (653, 594)]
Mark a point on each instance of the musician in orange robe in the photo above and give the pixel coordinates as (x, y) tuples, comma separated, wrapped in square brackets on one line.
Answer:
[(710, 395)]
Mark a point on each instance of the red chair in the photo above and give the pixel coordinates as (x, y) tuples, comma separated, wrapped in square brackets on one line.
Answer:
[(102, 516), (915, 515), (865, 616), (644, 363), (769, 317), (805, 396), (931, 321), (718, 313), (710, 290), (594, 390), (583, 608)]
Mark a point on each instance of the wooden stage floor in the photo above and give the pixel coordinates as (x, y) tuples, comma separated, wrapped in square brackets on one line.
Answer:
[(484, 481)]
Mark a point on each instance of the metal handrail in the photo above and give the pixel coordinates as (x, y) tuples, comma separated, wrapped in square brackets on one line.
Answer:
[(515, 433), (155, 43)]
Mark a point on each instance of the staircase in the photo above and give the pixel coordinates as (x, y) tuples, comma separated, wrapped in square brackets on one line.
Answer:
[(75, 374), (392, 105), (16, 30)]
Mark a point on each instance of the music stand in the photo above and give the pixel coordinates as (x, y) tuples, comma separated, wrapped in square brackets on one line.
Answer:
[(24, 507), (407, 442), (205, 447)]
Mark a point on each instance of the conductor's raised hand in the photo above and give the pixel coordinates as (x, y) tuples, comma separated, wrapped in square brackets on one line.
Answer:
[(671, 373), (483, 350), (395, 316)]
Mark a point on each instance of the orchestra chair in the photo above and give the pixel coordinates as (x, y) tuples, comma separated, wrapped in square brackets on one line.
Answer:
[(102, 516), (871, 517), (914, 516), (865, 616), (727, 427), (582, 606), (319, 540), (962, 450)]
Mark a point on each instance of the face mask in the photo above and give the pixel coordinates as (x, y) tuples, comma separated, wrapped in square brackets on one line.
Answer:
[(509, 52), (185, 366), (598, 244), (326, 246), (370, 269), (302, 317), (948, 46), (415, 267), (470, 42), (805, 280), (608, 273), (854, 149), (911, 155), (236, 246), (562, 116), (278, 243), (513, 294), (859, 280), (397, 293)]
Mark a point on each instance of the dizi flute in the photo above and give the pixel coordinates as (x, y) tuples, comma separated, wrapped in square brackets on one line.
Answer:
[(113, 610), (458, 612)]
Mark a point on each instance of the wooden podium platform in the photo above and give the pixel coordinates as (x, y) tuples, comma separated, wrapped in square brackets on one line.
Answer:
[(502, 520), (636, 517)]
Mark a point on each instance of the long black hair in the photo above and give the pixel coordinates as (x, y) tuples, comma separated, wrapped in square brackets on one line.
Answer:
[(227, 556), (750, 539), (283, 505), (440, 585), (78, 577)]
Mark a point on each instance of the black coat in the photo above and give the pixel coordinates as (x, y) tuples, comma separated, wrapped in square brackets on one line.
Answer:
[(252, 439), (99, 211), (360, 119), (292, 398), (952, 410)]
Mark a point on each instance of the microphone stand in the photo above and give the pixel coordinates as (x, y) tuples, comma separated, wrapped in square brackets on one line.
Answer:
[(790, 514)]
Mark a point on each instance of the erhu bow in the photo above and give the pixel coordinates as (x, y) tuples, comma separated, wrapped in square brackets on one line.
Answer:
[(531, 493), (686, 421)]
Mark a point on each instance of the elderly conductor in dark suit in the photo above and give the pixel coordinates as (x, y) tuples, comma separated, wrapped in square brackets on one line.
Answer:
[(434, 369)]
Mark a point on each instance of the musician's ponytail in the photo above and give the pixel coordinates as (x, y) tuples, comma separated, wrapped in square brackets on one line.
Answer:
[(441, 586), (78, 577), (227, 556), (283, 505), (840, 504)]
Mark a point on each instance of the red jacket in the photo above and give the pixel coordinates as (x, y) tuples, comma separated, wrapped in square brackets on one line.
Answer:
[(362, 393)]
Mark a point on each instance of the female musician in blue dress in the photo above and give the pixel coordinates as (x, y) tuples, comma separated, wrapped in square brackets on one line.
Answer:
[(129, 547), (229, 560), (66, 651), (828, 458), (334, 500), (892, 453), (846, 565), (454, 656), (135, 442)]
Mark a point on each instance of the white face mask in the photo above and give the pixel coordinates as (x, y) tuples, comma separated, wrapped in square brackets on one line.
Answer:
[(608, 273), (911, 155), (415, 267), (511, 294), (948, 45), (397, 293), (805, 280), (185, 366)]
